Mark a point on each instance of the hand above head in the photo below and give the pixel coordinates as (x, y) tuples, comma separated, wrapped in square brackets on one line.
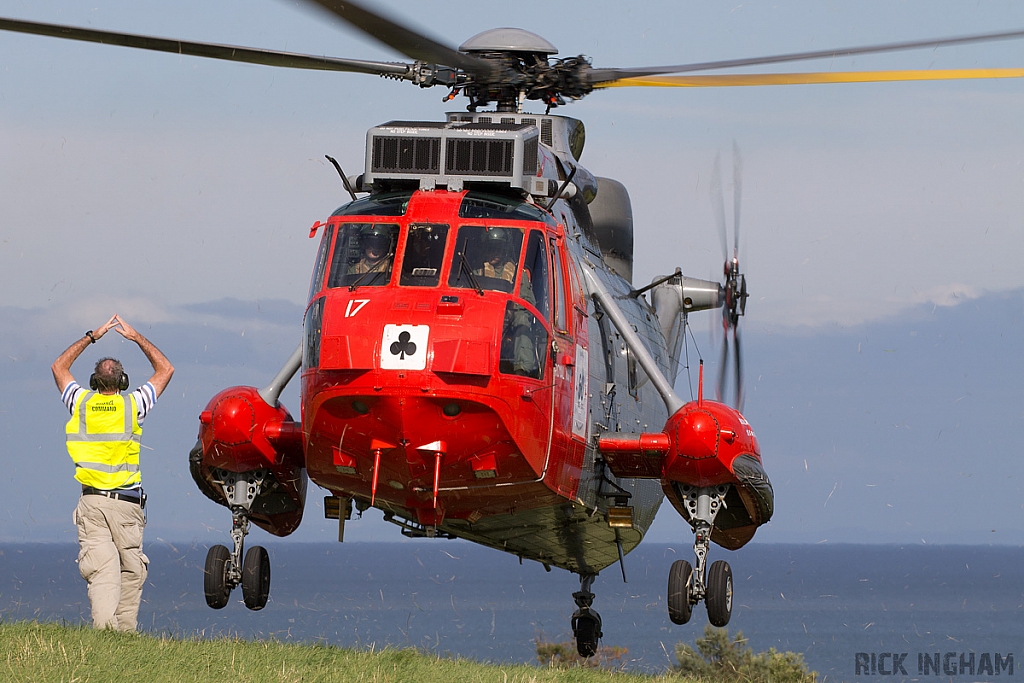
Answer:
[(162, 368), (124, 329), (99, 332), (62, 366)]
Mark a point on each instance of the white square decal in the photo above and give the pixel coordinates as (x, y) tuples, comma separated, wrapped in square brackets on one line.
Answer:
[(404, 347), (581, 394)]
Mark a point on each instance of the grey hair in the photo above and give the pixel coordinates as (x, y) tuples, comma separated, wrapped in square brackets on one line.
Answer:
[(108, 374)]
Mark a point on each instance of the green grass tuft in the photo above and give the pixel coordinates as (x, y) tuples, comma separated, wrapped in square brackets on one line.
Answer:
[(49, 653)]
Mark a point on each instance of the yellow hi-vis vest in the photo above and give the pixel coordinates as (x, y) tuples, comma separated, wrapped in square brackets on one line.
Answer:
[(103, 437)]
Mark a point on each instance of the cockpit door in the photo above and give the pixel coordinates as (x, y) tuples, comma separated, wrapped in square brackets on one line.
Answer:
[(570, 375)]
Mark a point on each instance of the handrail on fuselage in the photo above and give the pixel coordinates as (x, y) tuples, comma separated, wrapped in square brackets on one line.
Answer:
[(597, 289)]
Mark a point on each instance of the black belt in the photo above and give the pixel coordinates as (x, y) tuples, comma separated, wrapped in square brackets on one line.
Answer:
[(116, 495)]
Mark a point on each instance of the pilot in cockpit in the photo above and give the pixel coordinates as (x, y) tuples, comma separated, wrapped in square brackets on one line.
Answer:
[(497, 261), (375, 242)]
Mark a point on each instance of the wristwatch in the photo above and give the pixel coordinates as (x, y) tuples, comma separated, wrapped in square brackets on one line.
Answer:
[(92, 339)]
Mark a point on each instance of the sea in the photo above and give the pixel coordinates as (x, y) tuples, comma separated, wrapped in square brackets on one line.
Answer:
[(855, 612)]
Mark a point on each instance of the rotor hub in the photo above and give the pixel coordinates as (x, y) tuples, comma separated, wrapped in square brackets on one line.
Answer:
[(508, 40)]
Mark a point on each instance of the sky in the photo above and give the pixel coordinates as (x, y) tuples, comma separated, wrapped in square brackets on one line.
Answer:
[(178, 192)]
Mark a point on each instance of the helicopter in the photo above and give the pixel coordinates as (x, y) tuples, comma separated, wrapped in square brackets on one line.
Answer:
[(535, 414)]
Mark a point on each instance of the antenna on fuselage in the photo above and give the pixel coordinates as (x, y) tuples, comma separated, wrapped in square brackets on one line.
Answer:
[(344, 178)]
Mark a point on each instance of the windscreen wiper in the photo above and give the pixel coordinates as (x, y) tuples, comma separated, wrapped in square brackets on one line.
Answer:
[(464, 268), (373, 269)]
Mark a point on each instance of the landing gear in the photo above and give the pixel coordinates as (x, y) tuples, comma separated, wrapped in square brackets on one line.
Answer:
[(688, 586), (256, 578), (679, 606), (719, 598), (215, 580), (225, 568), (586, 623)]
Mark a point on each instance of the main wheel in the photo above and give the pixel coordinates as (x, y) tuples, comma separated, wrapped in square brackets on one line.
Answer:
[(215, 579), (719, 599), (586, 626), (679, 607), (256, 578)]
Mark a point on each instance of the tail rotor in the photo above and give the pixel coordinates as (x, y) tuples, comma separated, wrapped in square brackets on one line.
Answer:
[(735, 286)]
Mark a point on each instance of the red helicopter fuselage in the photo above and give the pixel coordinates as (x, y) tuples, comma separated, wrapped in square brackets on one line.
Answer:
[(390, 419), (476, 363), (459, 388)]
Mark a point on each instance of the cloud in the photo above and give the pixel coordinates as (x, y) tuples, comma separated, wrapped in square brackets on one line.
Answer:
[(952, 294), (30, 338), (226, 314)]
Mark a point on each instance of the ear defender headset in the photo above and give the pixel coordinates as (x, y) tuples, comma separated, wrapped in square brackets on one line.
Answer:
[(122, 383)]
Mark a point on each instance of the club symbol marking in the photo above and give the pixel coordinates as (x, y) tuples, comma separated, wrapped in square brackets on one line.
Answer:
[(403, 347)]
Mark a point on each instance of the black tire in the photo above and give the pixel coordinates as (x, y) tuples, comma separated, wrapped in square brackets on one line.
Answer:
[(256, 578), (679, 579), (719, 599), (586, 626), (215, 580)]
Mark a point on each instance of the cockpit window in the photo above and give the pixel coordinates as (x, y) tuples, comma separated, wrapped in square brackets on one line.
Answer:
[(424, 255), (486, 258), (384, 204), (534, 287), (317, 281), (524, 340), (363, 255), (482, 206)]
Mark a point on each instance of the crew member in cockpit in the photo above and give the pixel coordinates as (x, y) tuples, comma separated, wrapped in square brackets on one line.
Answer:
[(376, 252), (498, 263)]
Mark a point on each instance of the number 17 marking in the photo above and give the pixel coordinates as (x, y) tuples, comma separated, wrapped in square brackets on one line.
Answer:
[(351, 310)]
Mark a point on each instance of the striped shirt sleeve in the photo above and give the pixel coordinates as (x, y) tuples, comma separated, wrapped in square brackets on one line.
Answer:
[(70, 395), (145, 399)]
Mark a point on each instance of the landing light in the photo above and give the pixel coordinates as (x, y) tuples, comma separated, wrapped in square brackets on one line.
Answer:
[(335, 507), (451, 409), (620, 517), (360, 407)]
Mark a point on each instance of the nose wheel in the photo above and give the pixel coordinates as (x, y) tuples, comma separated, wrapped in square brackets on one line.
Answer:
[(225, 569), (689, 585), (586, 623)]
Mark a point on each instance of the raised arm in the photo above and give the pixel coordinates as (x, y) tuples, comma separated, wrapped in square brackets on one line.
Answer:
[(162, 368), (61, 367)]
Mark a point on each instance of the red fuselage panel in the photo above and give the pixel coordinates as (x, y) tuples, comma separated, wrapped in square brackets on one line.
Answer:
[(415, 371)]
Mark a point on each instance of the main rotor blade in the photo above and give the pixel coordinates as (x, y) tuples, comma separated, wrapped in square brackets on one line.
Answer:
[(404, 39), (600, 77), (232, 53), (733, 80)]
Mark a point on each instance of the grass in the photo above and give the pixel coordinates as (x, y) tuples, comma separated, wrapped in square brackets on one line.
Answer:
[(44, 653)]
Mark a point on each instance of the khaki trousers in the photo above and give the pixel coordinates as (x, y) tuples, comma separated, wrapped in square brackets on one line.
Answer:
[(110, 559)]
